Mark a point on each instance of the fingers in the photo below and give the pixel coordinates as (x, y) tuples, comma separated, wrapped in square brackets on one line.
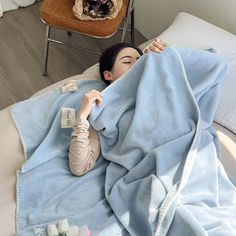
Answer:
[(157, 40), (94, 96), (87, 103), (146, 50), (156, 46), (99, 101)]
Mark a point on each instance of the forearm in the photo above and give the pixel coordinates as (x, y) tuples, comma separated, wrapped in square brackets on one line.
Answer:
[(84, 148)]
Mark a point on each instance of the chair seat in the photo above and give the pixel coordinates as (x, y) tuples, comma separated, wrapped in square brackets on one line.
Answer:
[(58, 13)]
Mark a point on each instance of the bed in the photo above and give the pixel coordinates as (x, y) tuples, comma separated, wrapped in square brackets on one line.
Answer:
[(184, 31)]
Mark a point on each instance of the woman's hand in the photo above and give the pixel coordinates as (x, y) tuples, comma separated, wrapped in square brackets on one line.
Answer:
[(87, 103), (156, 46)]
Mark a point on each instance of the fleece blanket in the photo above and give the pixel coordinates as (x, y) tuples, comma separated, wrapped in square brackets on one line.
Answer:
[(159, 172)]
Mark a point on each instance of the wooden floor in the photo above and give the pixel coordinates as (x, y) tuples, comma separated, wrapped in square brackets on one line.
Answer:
[(21, 54)]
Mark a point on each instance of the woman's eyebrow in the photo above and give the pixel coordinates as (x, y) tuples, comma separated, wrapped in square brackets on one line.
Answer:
[(130, 57), (125, 57)]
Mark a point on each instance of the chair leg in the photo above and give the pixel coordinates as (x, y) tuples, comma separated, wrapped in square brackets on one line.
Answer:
[(132, 28), (130, 14), (46, 48), (124, 30)]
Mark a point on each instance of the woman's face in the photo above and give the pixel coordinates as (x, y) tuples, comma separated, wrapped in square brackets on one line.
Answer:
[(124, 61)]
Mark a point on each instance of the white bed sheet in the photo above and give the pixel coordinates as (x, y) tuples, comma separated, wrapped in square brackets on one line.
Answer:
[(8, 5)]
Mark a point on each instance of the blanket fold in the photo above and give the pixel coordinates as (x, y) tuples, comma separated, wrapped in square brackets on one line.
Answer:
[(159, 172)]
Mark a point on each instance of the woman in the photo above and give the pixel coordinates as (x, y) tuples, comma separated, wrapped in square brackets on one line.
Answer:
[(114, 62)]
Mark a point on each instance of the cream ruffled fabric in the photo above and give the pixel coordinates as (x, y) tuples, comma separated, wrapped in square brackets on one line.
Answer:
[(78, 11)]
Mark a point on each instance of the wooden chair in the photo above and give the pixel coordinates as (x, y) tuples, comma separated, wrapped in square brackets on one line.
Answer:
[(58, 14)]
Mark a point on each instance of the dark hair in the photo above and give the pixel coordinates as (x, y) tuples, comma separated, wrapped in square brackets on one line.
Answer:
[(108, 57)]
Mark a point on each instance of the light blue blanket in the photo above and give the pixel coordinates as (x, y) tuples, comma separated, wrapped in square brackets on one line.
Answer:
[(159, 173)]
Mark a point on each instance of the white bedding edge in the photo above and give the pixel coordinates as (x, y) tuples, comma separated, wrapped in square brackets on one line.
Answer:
[(8, 5)]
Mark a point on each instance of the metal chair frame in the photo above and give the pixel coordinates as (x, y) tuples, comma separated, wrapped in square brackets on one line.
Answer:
[(48, 39)]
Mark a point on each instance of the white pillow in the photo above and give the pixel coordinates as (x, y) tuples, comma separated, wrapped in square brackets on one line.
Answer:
[(190, 31)]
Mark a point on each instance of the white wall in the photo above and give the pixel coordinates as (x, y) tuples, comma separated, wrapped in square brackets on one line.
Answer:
[(154, 16)]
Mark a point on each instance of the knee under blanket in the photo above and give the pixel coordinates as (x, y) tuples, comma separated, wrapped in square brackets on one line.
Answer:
[(159, 172)]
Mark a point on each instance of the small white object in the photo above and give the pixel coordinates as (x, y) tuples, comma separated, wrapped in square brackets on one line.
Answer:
[(63, 226), (74, 230), (68, 118), (52, 230), (69, 86)]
